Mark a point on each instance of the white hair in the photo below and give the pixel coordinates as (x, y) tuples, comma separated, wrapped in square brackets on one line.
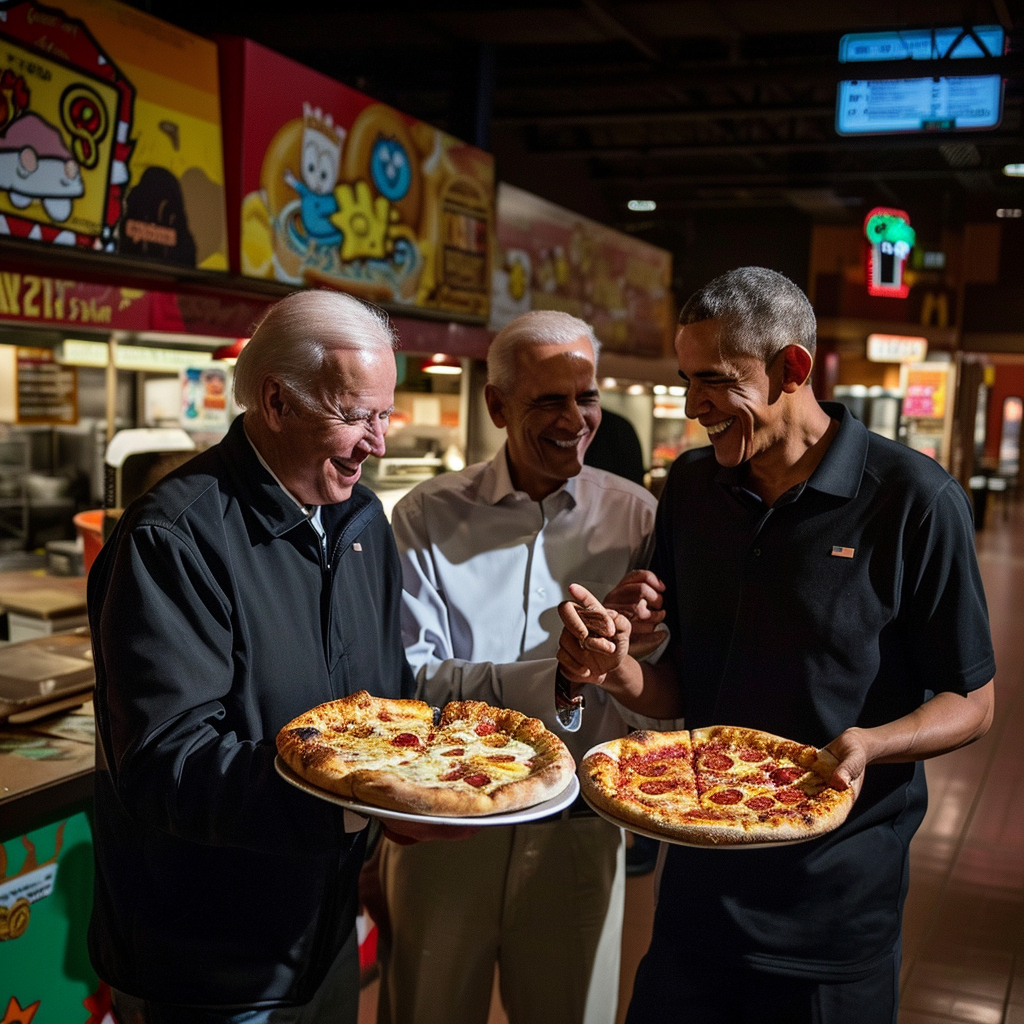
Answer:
[(294, 339), (539, 327)]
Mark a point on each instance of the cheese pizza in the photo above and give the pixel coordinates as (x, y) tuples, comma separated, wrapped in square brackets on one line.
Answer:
[(719, 786), (470, 760)]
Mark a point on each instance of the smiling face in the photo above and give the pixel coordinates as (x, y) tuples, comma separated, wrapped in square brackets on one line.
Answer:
[(550, 414), (734, 396), (320, 454)]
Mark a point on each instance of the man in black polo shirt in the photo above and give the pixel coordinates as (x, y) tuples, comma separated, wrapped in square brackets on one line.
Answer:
[(821, 585)]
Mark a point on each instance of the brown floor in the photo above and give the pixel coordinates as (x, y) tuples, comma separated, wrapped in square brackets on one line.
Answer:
[(963, 950)]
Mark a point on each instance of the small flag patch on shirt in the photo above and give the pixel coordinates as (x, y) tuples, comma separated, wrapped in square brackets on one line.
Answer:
[(359, 547), (841, 552)]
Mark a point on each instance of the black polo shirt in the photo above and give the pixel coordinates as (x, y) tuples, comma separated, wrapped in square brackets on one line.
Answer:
[(849, 602)]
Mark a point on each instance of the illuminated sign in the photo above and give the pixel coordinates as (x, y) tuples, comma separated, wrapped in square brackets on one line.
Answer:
[(889, 241), (935, 103), (896, 348), (922, 44), (919, 105)]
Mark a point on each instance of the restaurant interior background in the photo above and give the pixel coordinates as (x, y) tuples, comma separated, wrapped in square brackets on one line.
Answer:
[(183, 165)]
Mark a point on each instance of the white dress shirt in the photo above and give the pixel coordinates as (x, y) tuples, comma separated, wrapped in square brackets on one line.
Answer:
[(484, 570)]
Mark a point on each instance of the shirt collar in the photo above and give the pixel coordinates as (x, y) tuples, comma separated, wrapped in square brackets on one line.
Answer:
[(308, 511), (496, 484), (841, 467)]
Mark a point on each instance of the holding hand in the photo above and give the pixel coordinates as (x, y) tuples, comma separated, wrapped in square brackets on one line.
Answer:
[(638, 596), (594, 640)]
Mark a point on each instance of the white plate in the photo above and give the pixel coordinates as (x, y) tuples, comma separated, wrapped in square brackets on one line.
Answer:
[(551, 806), (661, 837)]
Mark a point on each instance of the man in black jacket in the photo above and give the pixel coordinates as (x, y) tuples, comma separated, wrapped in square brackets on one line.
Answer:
[(256, 581)]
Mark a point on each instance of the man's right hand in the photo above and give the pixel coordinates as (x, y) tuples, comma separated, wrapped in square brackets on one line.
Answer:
[(594, 640), (638, 596)]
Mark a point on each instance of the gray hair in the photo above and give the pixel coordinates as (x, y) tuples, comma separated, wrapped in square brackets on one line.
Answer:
[(294, 339), (762, 312), (539, 327)]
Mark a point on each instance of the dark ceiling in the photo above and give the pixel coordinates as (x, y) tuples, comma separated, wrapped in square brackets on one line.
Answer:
[(723, 112)]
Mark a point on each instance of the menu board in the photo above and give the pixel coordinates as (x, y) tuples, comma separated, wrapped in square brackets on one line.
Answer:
[(919, 104), (551, 258), (110, 135), (328, 187)]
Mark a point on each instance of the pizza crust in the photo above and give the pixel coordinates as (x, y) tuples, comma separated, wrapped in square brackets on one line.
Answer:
[(721, 786), (476, 760)]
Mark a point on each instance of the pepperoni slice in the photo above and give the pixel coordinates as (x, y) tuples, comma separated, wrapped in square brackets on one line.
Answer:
[(760, 803), (485, 728), (456, 773), (651, 770), (454, 752), (727, 796), (384, 716), (657, 786), (406, 739), (501, 758), (784, 776), (753, 756), (790, 796), (478, 780), (718, 762)]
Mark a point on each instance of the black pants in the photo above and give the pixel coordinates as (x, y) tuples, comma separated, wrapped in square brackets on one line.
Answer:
[(678, 989)]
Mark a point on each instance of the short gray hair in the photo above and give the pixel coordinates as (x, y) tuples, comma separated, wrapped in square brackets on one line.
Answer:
[(762, 312), (539, 327), (294, 339)]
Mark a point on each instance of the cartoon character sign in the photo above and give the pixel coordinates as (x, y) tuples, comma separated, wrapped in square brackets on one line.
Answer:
[(354, 194), (65, 114)]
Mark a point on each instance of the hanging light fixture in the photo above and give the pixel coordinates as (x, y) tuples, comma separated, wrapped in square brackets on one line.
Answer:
[(440, 362), (231, 351)]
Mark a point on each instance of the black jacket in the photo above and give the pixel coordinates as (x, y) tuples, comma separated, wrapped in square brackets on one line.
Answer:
[(215, 621)]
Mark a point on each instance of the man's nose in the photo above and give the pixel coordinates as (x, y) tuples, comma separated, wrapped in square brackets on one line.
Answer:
[(373, 440), (572, 416), (692, 403)]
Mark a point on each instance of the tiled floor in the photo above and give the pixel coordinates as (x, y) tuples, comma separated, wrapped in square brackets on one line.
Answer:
[(963, 958)]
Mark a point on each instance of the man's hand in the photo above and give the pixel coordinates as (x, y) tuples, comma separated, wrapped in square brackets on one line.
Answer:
[(594, 640), (405, 833), (638, 596), (850, 754)]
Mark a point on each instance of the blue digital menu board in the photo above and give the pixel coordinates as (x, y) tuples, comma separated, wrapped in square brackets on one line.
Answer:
[(910, 105)]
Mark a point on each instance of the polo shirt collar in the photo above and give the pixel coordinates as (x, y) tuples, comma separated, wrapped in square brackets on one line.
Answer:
[(496, 483), (841, 467)]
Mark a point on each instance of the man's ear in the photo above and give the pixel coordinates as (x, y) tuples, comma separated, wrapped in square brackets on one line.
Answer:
[(274, 403), (797, 365), (495, 405)]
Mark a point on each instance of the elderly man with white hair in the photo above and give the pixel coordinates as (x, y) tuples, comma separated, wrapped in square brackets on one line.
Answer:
[(254, 582), (487, 555)]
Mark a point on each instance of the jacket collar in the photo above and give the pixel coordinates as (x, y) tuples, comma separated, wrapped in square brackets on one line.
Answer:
[(270, 504)]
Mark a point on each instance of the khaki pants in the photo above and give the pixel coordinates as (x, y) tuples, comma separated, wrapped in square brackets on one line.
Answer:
[(544, 901)]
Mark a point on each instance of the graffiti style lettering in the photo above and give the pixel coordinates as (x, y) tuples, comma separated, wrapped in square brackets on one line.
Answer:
[(9, 294), (85, 117), (29, 307)]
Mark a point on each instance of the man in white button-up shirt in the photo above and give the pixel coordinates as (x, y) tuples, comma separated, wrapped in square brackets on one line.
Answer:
[(487, 555)]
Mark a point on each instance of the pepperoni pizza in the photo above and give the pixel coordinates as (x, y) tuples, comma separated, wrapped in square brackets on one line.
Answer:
[(470, 759), (720, 786)]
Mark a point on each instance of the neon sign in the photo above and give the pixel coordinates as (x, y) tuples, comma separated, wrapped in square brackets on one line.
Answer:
[(890, 239)]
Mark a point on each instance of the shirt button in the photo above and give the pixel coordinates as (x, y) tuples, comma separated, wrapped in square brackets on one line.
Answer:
[(541, 591), (757, 551)]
